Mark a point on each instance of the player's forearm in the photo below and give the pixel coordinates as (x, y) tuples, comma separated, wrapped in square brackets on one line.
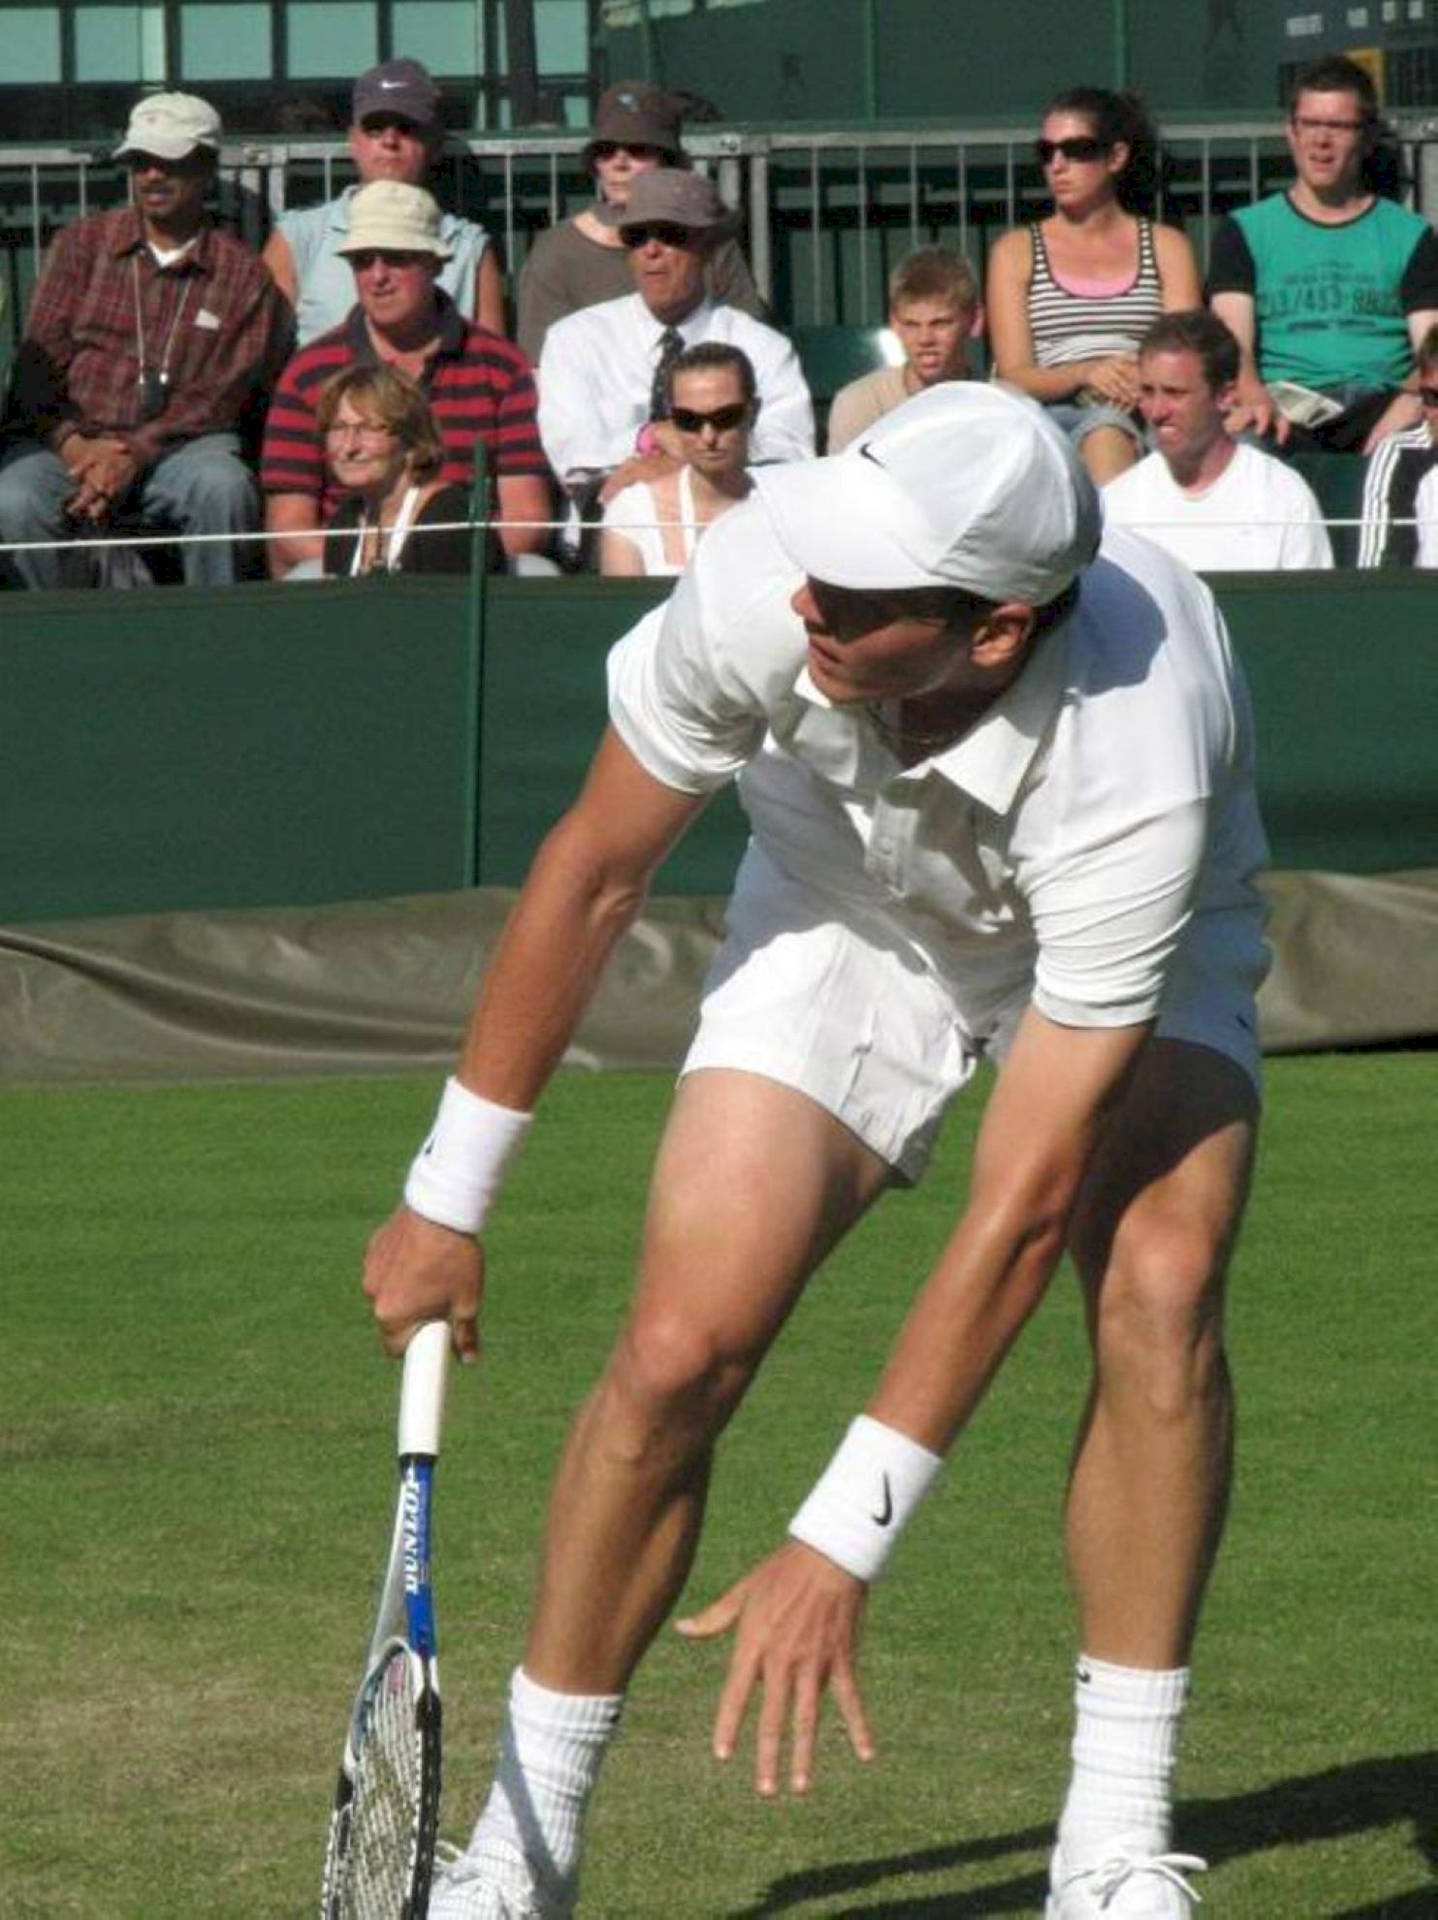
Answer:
[(988, 1281), (546, 968)]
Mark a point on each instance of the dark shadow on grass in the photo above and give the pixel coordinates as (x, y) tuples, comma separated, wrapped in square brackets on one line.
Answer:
[(1370, 1794)]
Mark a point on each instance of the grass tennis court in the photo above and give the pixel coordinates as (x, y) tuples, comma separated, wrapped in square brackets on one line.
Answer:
[(199, 1478)]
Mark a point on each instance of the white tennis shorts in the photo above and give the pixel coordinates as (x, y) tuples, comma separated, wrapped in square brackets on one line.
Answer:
[(855, 1016)]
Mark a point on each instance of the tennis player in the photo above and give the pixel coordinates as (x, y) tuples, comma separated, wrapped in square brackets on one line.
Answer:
[(1000, 785)]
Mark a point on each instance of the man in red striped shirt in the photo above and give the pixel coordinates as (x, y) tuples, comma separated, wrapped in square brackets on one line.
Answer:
[(479, 386)]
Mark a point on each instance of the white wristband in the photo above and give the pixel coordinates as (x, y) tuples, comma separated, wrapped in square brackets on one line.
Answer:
[(456, 1174), (864, 1496)]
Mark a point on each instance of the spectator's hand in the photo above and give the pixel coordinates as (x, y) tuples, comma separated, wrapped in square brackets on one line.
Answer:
[(1114, 378), (1253, 411), (104, 469), (639, 466), (414, 1271), (1403, 410), (797, 1621)]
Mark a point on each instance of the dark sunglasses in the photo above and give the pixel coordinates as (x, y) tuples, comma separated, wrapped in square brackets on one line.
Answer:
[(1428, 396), (607, 149), (661, 230), (392, 257), (722, 419), (1083, 147)]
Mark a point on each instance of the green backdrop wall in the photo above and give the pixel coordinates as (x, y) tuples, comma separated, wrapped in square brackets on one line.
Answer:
[(289, 745)]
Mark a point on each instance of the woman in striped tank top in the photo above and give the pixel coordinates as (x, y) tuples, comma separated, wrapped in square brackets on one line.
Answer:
[(1070, 296)]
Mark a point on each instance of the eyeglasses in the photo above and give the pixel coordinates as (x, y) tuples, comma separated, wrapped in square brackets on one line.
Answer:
[(370, 430), (366, 257), (661, 231), (1083, 146), (611, 149), (722, 419), (1304, 124), (1428, 396)]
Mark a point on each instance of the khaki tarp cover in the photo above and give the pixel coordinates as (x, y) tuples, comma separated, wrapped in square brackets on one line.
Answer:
[(384, 986)]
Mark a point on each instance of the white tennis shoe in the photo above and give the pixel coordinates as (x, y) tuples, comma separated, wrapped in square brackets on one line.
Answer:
[(1126, 1881), (485, 1886)]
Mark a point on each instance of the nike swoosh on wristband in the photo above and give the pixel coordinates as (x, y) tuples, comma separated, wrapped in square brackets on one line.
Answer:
[(886, 1514), (1084, 1676)]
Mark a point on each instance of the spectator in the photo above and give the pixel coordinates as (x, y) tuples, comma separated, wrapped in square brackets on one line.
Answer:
[(934, 310), (383, 448), (1069, 297), (150, 335), (582, 261), (478, 384), (654, 526), (602, 375), (1328, 287), (395, 134), (1400, 487), (1210, 501)]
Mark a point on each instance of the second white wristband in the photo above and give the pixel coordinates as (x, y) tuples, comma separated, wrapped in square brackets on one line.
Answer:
[(457, 1172), (860, 1503)]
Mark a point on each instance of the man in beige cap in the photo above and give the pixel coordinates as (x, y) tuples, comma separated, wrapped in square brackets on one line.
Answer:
[(603, 372), (1001, 795), (479, 386), (150, 336)]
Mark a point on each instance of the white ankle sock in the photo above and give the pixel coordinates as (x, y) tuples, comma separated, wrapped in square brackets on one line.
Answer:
[(1124, 1748), (549, 1757)]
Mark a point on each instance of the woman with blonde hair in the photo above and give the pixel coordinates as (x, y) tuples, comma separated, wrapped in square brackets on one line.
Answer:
[(1069, 297), (383, 448)]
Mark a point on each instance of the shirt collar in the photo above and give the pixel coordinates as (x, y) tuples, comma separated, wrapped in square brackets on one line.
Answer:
[(692, 327), (992, 758), (453, 331), (129, 237)]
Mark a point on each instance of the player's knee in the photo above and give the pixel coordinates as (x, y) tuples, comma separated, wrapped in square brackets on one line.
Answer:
[(673, 1376), (1160, 1320)]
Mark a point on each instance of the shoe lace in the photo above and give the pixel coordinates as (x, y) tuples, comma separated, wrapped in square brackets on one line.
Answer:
[(1109, 1877)]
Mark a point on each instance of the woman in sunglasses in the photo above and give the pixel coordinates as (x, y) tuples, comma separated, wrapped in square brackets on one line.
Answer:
[(1069, 297), (654, 526), (582, 260)]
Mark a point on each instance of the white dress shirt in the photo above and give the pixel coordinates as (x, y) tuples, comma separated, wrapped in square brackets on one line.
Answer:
[(597, 369), (1090, 843)]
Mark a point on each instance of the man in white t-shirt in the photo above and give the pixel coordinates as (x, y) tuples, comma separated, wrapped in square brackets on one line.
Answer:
[(1217, 504), (1001, 793)]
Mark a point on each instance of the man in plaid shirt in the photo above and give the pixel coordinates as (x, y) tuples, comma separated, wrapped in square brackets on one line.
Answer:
[(150, 335)]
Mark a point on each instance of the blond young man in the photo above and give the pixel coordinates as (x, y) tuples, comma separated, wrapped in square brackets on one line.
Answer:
[(934, 312)]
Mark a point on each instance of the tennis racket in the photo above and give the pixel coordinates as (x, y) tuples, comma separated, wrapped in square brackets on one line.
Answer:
[(386, 1807)]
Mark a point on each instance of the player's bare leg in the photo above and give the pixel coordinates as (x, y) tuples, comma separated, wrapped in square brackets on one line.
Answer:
[(752, 1187), (1152, 1236)]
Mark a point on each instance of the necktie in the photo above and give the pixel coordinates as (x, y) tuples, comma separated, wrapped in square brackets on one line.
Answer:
[(671, 345)]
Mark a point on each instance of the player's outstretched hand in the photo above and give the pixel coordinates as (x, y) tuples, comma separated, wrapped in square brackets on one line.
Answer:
[(415, 1270), (796, 1619)]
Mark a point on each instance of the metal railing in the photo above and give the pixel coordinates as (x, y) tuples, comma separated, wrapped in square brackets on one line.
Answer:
[(825, 211)]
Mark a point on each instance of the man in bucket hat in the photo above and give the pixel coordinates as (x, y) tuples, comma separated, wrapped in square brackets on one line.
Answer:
[(150, 336), (603, 369), (1001, 794), (478, 385)]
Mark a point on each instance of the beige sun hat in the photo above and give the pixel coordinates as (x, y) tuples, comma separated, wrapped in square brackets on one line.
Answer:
[(388, 216), (171, 126)]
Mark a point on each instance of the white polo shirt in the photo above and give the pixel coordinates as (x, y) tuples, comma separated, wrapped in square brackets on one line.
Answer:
[(597, 368), (1093, 835)]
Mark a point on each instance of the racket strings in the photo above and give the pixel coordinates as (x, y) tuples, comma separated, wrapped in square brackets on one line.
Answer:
[(385, 1811)]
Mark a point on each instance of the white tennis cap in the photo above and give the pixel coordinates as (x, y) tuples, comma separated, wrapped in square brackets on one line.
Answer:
[(968, 484)]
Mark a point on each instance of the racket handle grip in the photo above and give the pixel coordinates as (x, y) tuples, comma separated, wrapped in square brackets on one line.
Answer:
[(421, 1400)]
